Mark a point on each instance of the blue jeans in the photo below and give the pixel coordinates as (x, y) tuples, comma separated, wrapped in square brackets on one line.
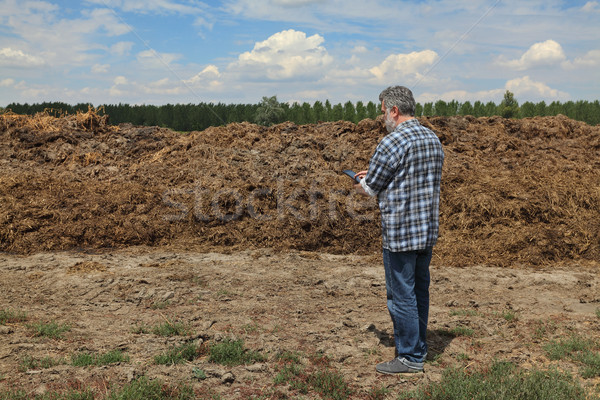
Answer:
[(407, 285)]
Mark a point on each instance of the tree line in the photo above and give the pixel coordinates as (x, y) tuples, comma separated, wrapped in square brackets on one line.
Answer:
[(190, 117)]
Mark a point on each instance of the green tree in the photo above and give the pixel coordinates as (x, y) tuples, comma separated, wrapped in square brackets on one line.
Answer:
[(466, 109), (428, 109), (269, 111), (319, 111), (527, 110), (349, 112), (371, 110), (361, 111), (509, 107)]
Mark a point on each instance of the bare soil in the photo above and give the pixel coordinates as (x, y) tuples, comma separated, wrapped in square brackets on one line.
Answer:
[(253, 233)]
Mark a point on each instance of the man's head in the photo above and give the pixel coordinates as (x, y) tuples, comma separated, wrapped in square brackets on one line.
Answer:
[(398, 105)]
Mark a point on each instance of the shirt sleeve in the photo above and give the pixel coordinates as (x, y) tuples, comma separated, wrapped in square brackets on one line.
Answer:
[(382, 169)]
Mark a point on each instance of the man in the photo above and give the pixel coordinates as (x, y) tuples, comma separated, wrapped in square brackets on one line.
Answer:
[(405, 173)]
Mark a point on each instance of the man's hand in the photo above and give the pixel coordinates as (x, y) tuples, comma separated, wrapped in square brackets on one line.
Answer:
[(358, 187)]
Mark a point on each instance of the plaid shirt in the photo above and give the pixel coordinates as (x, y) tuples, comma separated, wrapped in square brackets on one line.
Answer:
[(405, 173)]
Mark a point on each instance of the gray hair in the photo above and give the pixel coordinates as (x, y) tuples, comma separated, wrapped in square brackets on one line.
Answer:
[(401, 97)]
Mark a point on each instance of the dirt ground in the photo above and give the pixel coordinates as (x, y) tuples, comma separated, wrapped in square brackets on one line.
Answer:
[(252, 233), (276, 302)]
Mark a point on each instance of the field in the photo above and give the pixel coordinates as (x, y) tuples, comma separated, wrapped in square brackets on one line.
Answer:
[(236, 262)]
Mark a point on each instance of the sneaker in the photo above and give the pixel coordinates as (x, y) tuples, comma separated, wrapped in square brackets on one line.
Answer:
[(398, 366)]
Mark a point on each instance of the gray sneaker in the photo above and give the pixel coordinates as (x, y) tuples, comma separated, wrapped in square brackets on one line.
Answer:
[(399, 366)]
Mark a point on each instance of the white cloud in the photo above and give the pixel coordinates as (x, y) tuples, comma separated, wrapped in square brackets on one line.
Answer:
[(121, 48), (404, 66), (100, 68), (527, 88), (207, 77), (590, 60), (120, 80), (284, 55), (7, 82), (149, 6), (154, 59), (540, 54), (591, 7), (16, 58)]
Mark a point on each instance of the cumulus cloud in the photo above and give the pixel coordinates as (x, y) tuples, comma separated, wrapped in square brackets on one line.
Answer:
[(540, 54), (16, 58), (590, 60), (284, 55), (403, 66), (527, 88)]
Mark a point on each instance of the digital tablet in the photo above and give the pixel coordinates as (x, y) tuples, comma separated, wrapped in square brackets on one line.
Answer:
[(351, 174)]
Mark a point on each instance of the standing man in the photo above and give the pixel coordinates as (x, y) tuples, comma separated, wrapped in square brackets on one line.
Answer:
[(405, 173)]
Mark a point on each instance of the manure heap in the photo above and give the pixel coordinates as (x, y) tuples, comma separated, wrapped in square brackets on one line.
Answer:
[(514, 192)]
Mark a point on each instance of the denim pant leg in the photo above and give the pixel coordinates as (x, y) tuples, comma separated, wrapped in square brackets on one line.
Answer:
[(407, 286)]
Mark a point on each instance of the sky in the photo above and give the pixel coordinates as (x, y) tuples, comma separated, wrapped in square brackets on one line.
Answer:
[(238, 51)]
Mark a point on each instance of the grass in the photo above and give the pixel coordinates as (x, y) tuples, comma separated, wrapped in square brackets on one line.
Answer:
[(232, 352), (501, 381), (578, 350), (171, 329), (147, 389), (69, 395), (85, 359), (327, 383), (11, 316), (179, 354), (51, 330), (30, 363), (598, 312)]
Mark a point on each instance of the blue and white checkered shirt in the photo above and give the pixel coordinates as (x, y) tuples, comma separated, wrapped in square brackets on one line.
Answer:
[(405, 173)]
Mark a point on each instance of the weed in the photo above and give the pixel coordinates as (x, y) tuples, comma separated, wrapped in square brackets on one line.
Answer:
[(170, 329), (87, 359), (330, 384), (501, 381), (50, 329), (30, 363), (70, 395), (461, 331), (197, 373), (463, 357), (144, 388), (250, 328), (11, 316), (232, 352), (377, 394), (140, 329), (598, 312), (578, 350), (288, 356), (509, 316), (558, 350), (178, 355)]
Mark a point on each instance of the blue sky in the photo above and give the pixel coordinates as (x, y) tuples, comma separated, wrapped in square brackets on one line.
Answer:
[(237, 51)]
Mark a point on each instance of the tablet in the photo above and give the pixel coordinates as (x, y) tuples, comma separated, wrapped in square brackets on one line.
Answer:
[(351, 174)]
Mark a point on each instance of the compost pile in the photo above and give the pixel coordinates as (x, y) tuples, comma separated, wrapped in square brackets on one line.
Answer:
[(514, 192)]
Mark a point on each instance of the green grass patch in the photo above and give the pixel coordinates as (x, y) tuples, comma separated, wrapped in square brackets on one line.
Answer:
[(51, 330), (68, 395), (30, 363), (11, 316), (578, 350), (171, 329), (232, 352), (147, 389), (501, 381), (323, 380), (179, 354), (85, 359), (598, 312)]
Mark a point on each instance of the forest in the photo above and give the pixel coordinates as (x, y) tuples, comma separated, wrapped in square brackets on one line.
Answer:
[(269, 111)]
